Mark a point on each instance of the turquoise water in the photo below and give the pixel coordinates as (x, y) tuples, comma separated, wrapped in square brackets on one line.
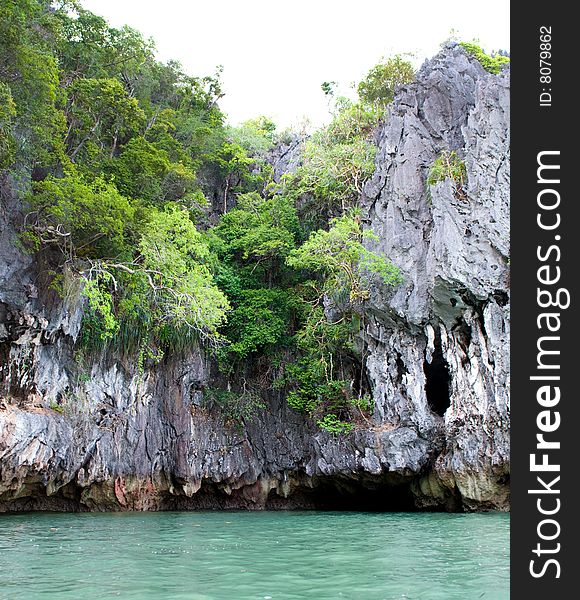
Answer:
[(261, 556)]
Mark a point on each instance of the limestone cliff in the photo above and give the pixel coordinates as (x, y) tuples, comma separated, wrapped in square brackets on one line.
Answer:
[(78, 434)]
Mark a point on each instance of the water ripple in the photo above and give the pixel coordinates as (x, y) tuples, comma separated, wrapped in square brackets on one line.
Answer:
[(254, 556)]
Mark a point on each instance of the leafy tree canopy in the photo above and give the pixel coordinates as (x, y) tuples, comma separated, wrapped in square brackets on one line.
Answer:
[(86, 218), (490, 62), (381, 82), (340, 256)]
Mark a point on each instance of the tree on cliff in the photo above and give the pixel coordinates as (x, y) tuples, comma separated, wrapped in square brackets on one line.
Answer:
[(166, 223)]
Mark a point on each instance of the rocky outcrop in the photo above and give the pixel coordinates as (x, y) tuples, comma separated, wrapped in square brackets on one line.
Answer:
[(439, 355), (80, 434), (285, 156)]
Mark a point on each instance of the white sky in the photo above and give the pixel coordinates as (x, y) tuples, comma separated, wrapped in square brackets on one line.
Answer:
[(277, 53)]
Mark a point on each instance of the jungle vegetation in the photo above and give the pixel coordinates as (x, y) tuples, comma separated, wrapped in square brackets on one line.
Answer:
[(168, 224)]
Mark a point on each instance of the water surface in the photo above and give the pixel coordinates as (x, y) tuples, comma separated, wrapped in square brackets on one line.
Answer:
[(254, 556)]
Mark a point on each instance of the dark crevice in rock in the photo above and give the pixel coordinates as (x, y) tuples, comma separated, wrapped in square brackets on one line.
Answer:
[(360, 381), (438, 380), (383, 494), (339, 494), (479, 305), (501, 297), (401, 369), (463, 335)]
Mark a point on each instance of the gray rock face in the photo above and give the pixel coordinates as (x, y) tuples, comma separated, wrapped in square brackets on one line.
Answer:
[(80, 435), (450, 319), (285, 157)]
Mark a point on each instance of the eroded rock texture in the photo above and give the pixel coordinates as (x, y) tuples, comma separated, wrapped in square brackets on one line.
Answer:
[(78, 434)]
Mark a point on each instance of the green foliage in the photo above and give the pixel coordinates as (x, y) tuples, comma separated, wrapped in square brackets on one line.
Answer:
[(240, 169), (7, 114), (181, 289), (336, 162), (328, 88), (200, 133), (324, 381), (335, 173), (91, 48), (352, 122), (313, 393), (99, 323), (381, 82), (339, 254), (145, 171), (492, 63), (28, 67), (259, 229), (256, 136), (100, 115), (332, 424), (260, 321), (277, 287), (159, 287), (75, 90), (448, 165), (318, 378), (91, 215), (164, 298), (330, 402), (327, 339), (59, 408), (364, 403), (252, 242)]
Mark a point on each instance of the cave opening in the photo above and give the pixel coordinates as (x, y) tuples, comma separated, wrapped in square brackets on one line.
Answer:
[(438, 380), (387, 493), (338, 494)]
